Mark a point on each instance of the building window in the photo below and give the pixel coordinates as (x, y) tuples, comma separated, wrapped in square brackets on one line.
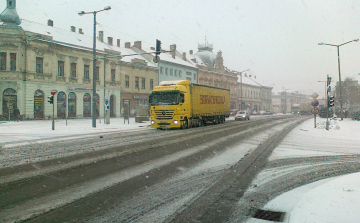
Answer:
[(151, 84), (136, 82), (189, 73), (180, 73), (194, 76), (113, 74), (136, 103), (86, 72), (166, 71), (97, 71), (73, 70), (61, 65), (142, 83), (12, 61), (127, 81), (39, 65), (161, 70), (3, 61), (189, 78), (171, 72), (175, 73)]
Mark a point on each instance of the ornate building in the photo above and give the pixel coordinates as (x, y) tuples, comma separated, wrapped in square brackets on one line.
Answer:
[(211, 71), (35, 58)]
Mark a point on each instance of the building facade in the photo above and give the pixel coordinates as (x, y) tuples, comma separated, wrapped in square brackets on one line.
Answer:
[(212, 72), (253, 96), (37, 58)]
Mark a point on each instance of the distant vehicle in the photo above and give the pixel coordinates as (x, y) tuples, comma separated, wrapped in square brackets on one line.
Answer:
[(233, 112), (142, 113), (242, 115), (262, 112), (269, 112), (181, 104)]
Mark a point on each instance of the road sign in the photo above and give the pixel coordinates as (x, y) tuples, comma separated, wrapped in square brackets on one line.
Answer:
[(53, 91), (106, 101), (315, 110), (314, 95), (329, 89), (315, 103)]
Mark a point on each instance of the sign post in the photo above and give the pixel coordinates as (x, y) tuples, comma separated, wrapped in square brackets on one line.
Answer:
[(315, 109), (53, 93)]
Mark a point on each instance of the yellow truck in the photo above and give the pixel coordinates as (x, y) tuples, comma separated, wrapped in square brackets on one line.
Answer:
[(181, 104)]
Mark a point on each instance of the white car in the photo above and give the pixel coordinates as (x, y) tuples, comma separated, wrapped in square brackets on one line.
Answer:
[(242, 115)]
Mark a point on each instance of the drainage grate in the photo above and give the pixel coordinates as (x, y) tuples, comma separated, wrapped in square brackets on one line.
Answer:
[(269, 215)]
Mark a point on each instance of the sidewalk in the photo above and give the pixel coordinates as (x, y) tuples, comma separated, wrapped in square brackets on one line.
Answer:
[(334, 199), (12, 133)]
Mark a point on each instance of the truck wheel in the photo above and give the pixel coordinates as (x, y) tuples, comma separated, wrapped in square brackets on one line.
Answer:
[(185, 124)]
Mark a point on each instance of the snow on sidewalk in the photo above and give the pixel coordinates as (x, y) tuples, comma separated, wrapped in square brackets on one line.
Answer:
[(12, 133), (335, 199)]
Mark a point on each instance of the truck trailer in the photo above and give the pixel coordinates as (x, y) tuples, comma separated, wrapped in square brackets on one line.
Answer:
[(181, 104)]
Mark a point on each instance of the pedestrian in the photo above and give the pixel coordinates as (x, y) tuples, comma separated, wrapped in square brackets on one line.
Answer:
[(16, 114)]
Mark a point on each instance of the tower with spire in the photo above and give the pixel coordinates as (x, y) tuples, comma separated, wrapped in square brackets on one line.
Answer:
[(9, 16)]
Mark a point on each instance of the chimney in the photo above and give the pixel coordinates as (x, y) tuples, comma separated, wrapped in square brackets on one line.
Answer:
[(191, 52), (80, 31), (127, 45), (172, 49), (184, 56), (137, 44), (118, 42), (101, 36), (152, 48), (73, 29), (110, 41), (50, 23)]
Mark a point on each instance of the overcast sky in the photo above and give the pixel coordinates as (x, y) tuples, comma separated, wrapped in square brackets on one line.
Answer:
[(276, 39)]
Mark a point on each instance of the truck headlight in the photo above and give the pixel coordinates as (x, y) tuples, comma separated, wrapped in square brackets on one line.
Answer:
[(152, 122), (176, 122)]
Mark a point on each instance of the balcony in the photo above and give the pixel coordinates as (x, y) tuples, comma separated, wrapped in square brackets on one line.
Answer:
[(73, 80), (61, 78)]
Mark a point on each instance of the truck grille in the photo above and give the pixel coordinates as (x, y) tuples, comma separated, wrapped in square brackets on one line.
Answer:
[(164, 114)]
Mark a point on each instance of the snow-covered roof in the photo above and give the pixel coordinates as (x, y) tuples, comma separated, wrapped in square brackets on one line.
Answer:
[(178, 60), (76, 40), (250, 81)]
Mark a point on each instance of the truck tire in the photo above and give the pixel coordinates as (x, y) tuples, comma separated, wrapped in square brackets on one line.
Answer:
[(185, 124)]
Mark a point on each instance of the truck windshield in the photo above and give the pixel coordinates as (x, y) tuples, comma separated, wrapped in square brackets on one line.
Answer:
[(164, 98)]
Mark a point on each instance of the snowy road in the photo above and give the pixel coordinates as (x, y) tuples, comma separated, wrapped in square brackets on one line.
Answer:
[(140, 176)]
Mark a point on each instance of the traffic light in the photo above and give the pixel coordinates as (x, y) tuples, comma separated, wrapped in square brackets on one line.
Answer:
[(331, 101), (158, 51), (328, 80), (51, 99)]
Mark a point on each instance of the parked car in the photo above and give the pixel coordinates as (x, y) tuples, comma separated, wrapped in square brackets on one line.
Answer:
[(233, 112), (242, 115), (262, 112)]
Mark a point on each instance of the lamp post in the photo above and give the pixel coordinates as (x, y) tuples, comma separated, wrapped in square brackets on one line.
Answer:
[(241, 88), (93, 115), (338, 53)]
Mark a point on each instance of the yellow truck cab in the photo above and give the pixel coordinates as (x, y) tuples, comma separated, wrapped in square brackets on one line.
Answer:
[(180, 104)]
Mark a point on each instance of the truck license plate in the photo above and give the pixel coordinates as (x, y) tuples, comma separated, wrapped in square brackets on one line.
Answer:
[(163, 121)]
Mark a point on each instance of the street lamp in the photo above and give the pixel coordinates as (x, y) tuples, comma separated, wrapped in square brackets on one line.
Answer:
[(107, 8), (241, 87), (340, 98)]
